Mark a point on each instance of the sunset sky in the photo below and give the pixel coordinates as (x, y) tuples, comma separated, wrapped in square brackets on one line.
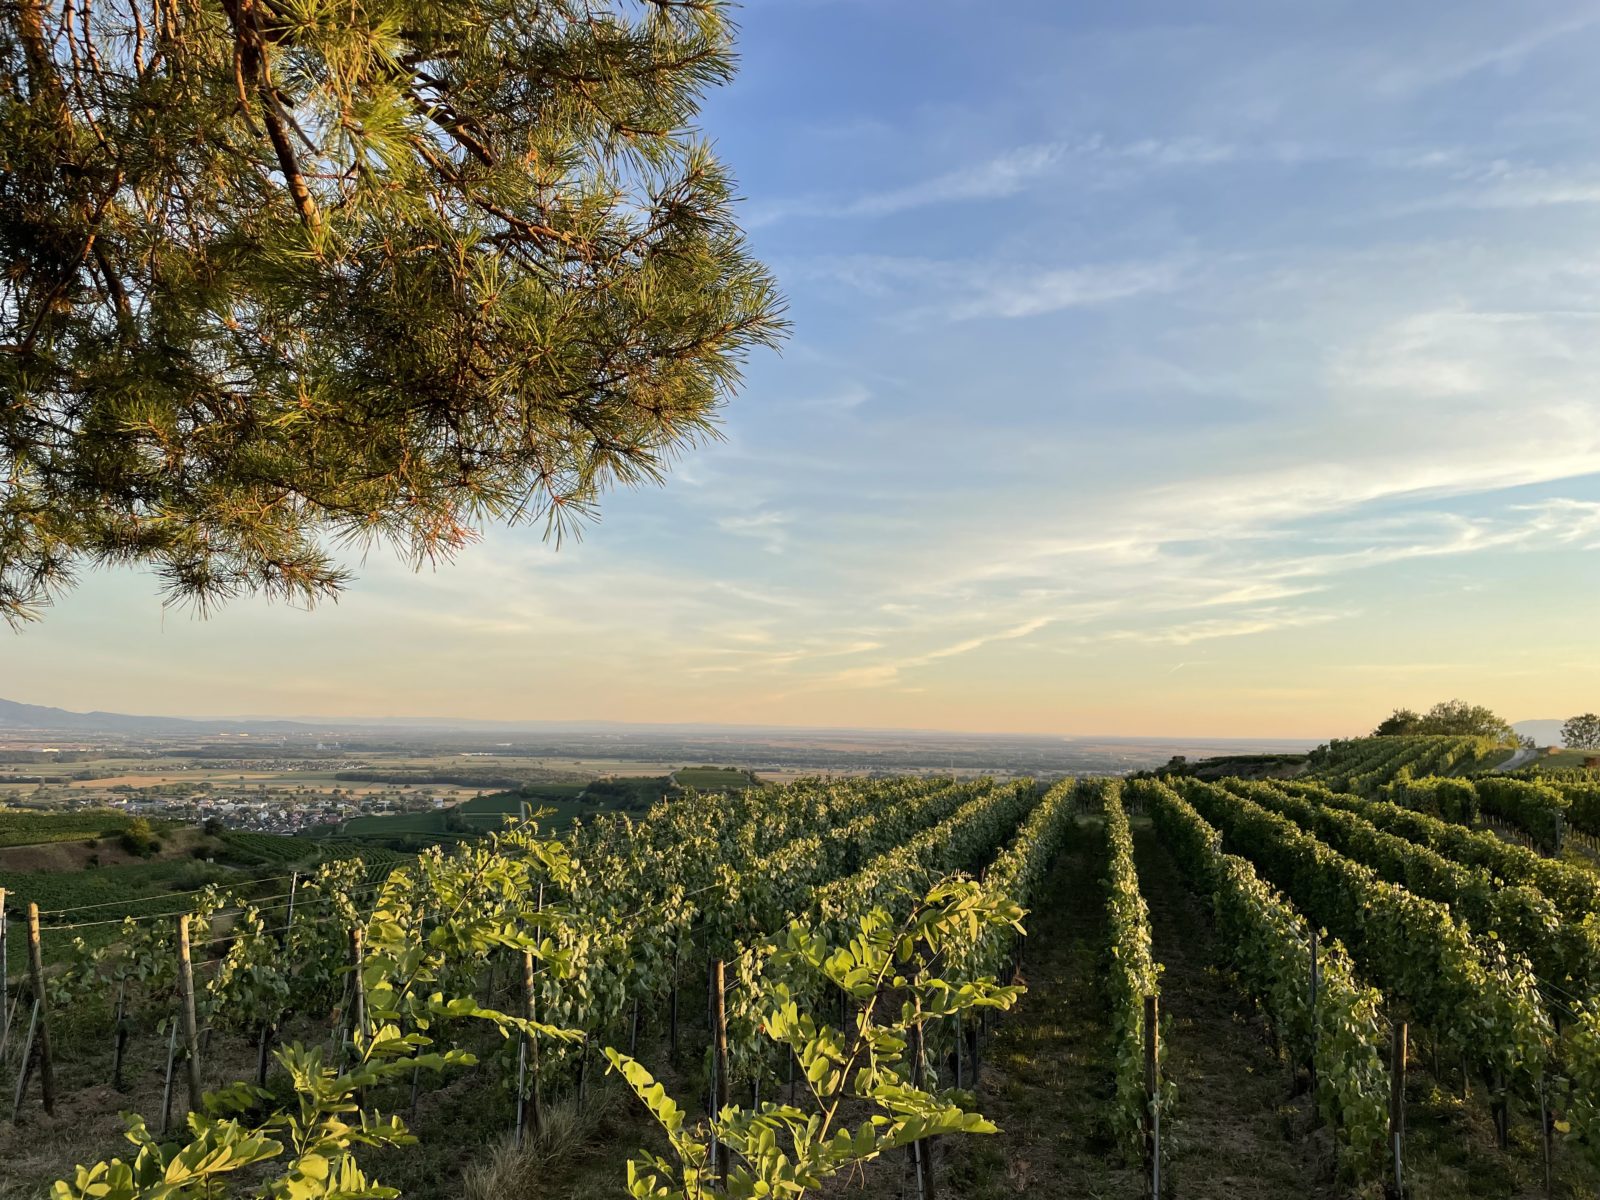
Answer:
[(1229, 369)]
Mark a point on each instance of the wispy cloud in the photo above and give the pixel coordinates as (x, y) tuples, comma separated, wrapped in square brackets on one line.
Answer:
[(1511, 186), (882, 673), (1093, 160), (1000, 289), (770, 528), (990, 179), (1268, 620), (1009, 297), (1445, 60), (1005, 175)]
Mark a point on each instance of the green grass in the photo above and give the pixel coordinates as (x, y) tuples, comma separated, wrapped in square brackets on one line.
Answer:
[(497, 804), (560, 802), (406, 831), (713, 779), (549, 791), (1564, 760), (563, 803), (390, 824), (275, 850), (535, 794), (1487, 763)]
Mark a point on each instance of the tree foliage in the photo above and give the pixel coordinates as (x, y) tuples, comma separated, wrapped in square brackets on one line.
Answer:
[(1448, 718), (1400, 723), (1581, 732), (286, 275), (138, 838)]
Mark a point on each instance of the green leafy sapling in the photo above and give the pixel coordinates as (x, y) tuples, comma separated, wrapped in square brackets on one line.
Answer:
[(317, 1128), (865, 1092)]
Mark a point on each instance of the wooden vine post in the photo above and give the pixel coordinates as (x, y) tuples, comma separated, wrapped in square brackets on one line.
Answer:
[(358, 1015), (673, 1057), (922, 1148), (1313, 1064), (960, 1036), (119, 1038), (47, 1076), (583, 1072), (1545, 1131), (520, 1125), (27, 1066), (358, 1001), (5, 980), (533, 1015), (288, 922), (975, 1032), (530, 1111), (1397, 1103), (720, 1091), (191, 1032), (263, 1053), (166, 1089), (1152, 1095)]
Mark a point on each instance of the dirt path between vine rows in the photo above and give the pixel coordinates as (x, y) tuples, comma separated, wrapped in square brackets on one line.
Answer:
[(1237, 1133), (1047, 1078)]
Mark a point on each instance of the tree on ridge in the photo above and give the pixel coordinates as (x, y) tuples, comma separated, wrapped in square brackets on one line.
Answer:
[(1581, 732), (1449, 717)]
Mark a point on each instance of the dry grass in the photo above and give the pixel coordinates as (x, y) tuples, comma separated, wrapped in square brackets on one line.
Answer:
[(509, 1171)]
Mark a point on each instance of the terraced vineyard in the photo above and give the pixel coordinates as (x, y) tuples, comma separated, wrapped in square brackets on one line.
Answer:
[(1281, 985)]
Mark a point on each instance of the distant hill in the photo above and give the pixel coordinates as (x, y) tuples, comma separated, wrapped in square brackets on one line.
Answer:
[(1544, 732), (764, 748), (15, 715)]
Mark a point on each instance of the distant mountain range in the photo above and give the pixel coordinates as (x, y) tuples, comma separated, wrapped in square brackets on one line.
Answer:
[(1543, 732), (14, 715)]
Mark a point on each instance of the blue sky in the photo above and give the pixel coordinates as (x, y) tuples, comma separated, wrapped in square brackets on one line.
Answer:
[(1157, 368)]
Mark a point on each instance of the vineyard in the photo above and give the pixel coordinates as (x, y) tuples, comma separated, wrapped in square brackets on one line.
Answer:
[(835, 984), (20, 829)]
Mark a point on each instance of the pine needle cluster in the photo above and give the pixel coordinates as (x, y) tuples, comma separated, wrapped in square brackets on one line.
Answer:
[(287, 277)]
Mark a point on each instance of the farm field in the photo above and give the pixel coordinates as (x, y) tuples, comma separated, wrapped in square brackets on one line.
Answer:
[(400, 796), (1454, 905), (710, 779)]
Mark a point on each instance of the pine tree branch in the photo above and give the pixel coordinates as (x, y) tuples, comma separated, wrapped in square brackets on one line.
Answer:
[(251, 66)]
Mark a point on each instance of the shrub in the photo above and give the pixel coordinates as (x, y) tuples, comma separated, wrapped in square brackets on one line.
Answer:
[(138, 838)]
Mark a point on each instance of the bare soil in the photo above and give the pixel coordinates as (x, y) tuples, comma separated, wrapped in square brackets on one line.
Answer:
[(1047, 1078), (1239, 1132)]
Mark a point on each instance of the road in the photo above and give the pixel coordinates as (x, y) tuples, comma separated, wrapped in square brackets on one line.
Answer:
[(1521, 758)]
